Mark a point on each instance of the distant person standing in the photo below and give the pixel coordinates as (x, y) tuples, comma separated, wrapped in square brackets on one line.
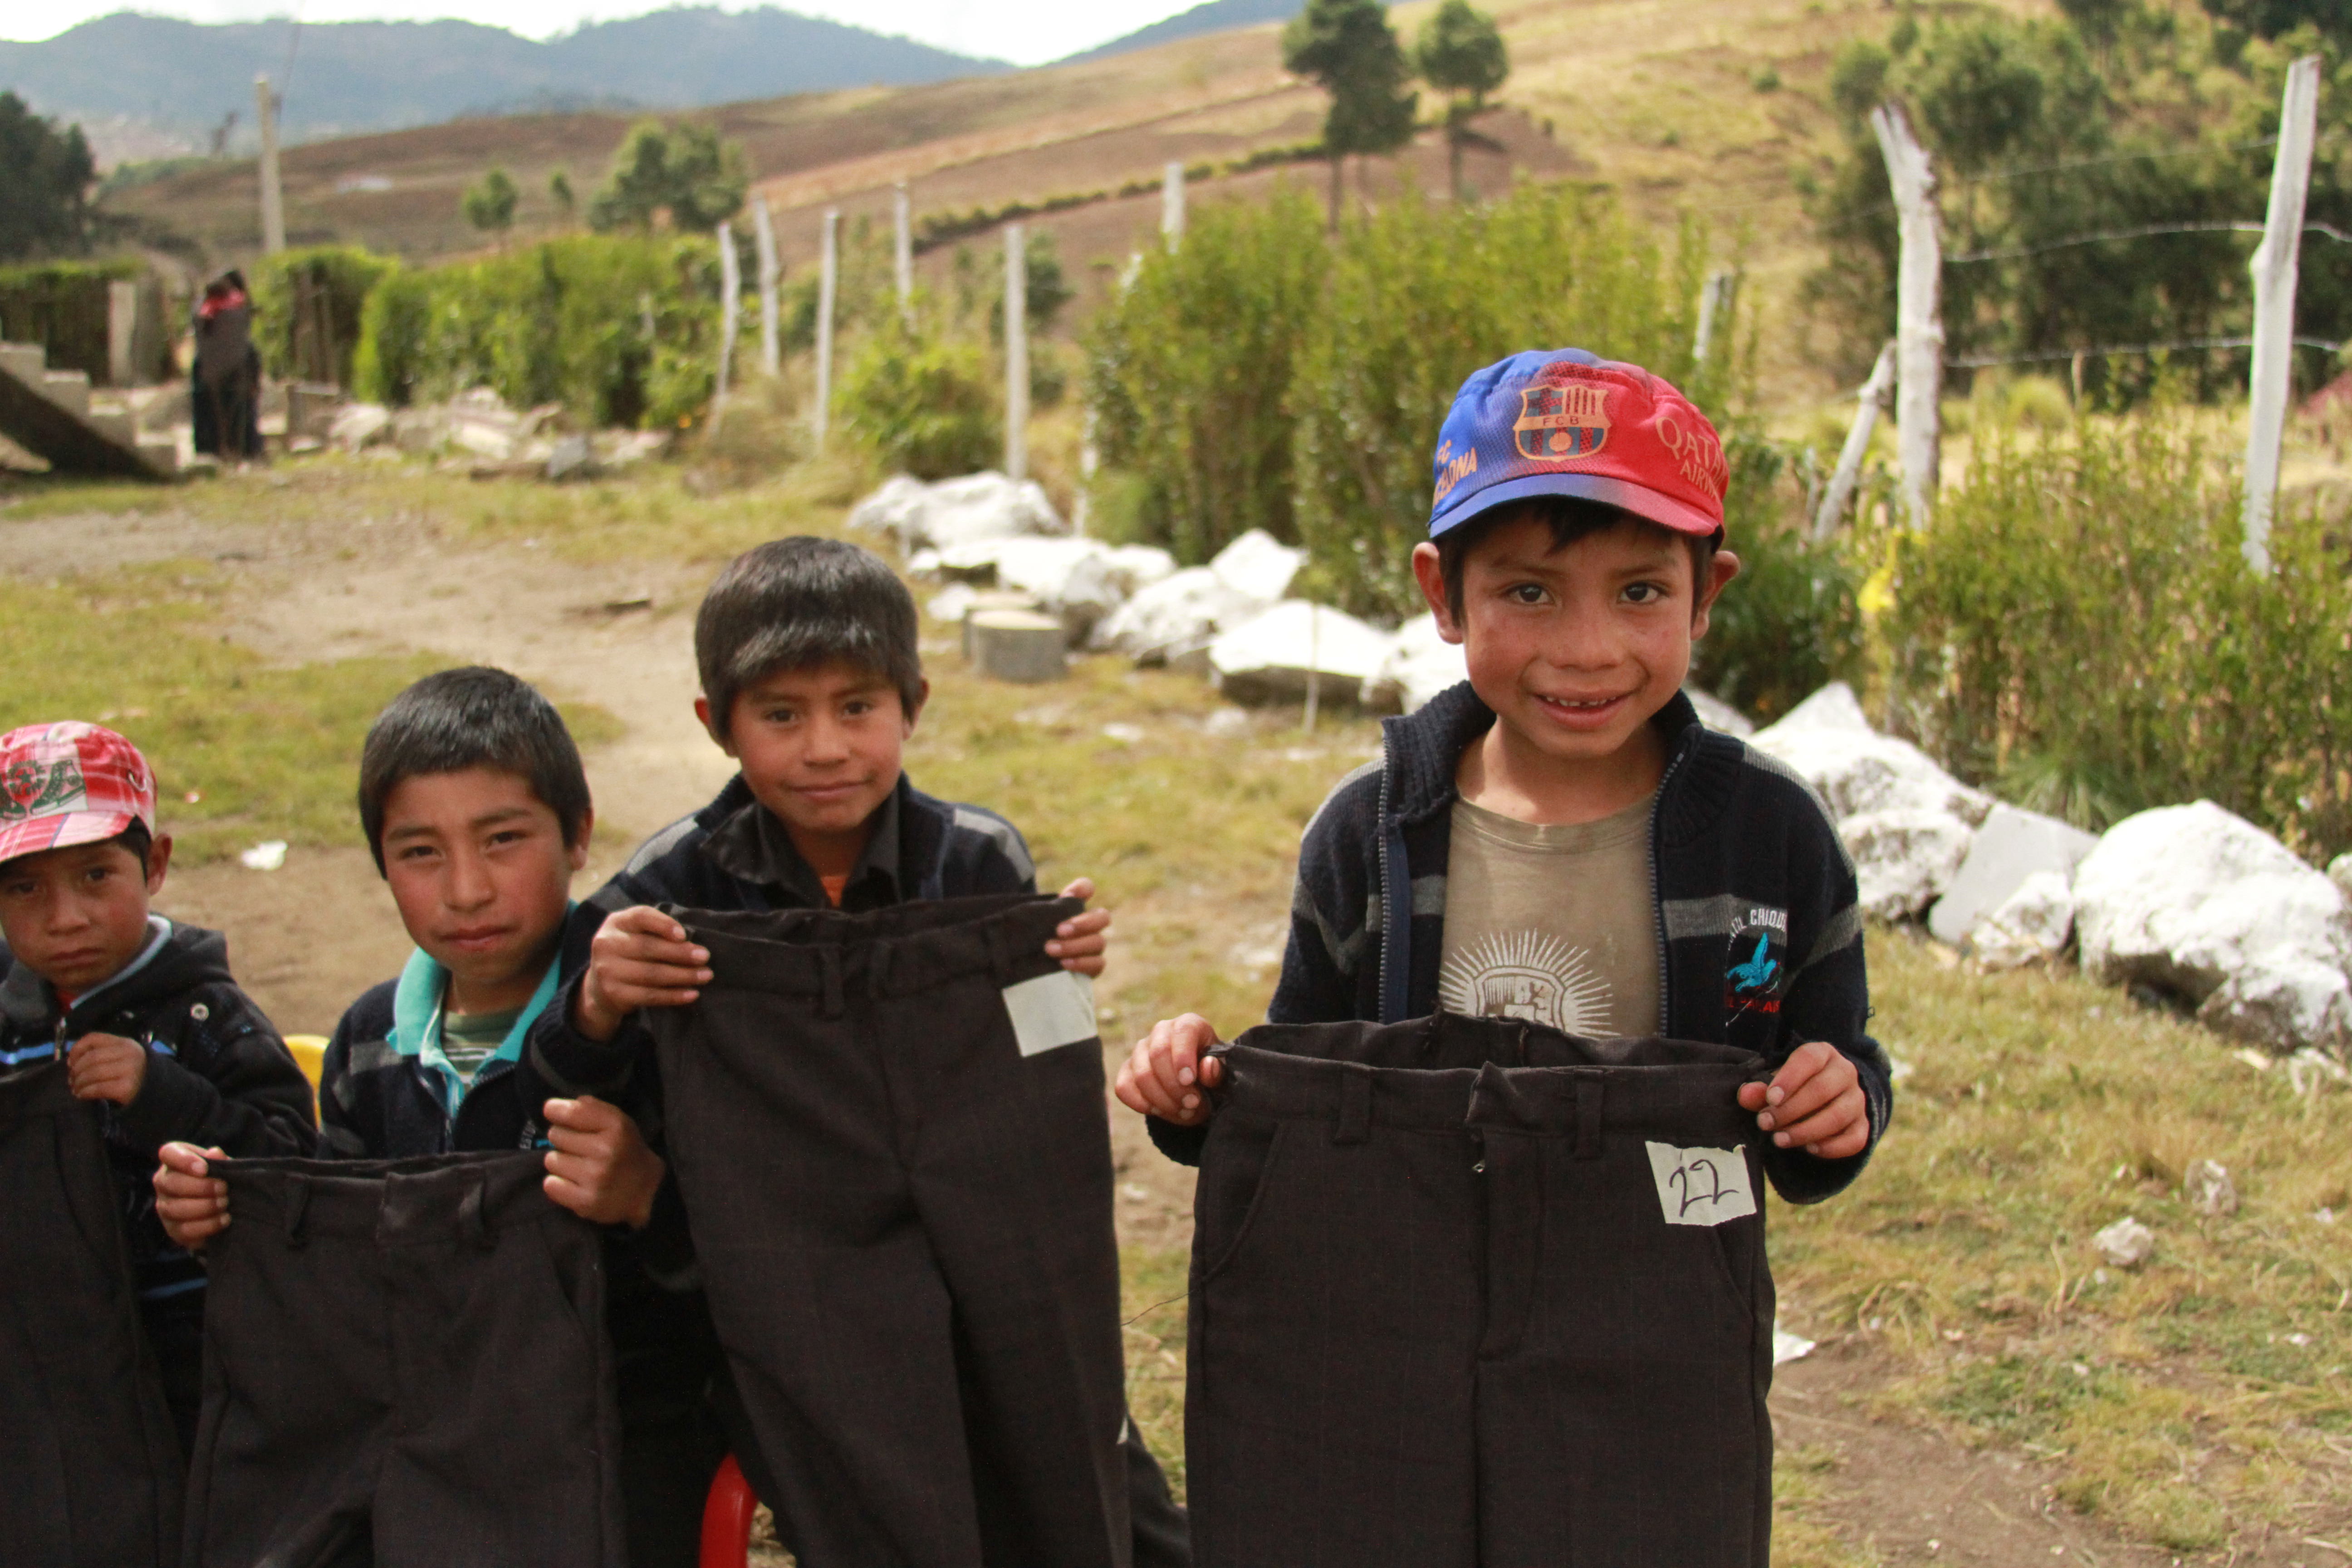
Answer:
[(227, 382)]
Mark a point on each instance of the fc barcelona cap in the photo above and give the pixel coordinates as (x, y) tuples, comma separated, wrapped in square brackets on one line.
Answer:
[(1563, 422), (68, 784)]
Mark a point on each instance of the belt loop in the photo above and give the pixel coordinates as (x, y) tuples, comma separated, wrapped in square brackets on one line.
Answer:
[(1588, 1116), (999, 959), (1354, 1123), (473, 1221), (828, 962), (298, 1210)]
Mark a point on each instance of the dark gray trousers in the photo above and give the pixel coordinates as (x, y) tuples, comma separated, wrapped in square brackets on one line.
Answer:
[(405, 1363), (90, 1467), (1472, 1294), (904, 1224)]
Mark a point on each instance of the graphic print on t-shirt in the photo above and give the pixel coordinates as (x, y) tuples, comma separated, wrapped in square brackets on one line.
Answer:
[(1530, 976)]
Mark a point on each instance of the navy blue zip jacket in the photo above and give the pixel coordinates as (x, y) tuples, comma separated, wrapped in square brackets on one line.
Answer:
[(1741, 852)]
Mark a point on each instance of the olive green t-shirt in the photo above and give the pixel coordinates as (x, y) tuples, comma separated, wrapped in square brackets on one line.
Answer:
[(469, 1039), (1555, 924)]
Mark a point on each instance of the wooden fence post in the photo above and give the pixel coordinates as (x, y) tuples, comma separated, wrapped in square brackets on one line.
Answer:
[(2274, 269), (1867, 403), (1919, 323), (1172, 204), (1016, 353), (731, 316), (763, 229), (1715, 302), (273, 194), (902, 249), (828, 278)]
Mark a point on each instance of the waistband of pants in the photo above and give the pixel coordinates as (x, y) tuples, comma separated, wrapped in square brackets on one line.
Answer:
[(430, 1198), (1581, 1103), (893, 951)]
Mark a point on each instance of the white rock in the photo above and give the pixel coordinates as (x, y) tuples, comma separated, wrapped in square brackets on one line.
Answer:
[(2195, 900), (1717, 714), (2031, 926), (1903, 857), (619, 448), (1182, 611), (1420, 664), (266, 856), (2339, 871), (2127, 1244), (951, 603), (1825, 739), (1269, 658), (357, 424), (1259, 566), (956, 511), (1788, 1347), (2209, 1189), (2009, 846)]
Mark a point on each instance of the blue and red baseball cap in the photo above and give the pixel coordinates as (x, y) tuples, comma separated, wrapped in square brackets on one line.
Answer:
[(1563, 422)]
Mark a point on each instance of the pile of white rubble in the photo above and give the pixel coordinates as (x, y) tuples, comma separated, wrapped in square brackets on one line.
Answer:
[(479, 431), (2191, 901)]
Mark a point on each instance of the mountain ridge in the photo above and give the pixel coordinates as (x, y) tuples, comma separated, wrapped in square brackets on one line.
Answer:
[(184, 77)]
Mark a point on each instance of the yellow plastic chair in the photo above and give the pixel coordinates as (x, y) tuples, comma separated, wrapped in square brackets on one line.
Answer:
[(311, 1053)]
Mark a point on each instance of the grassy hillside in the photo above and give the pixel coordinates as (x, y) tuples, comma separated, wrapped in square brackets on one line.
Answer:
[(1706, 106)]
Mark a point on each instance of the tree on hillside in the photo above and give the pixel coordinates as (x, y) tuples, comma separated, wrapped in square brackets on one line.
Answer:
[(1460, 52), (45, 179), (490, 203), (684, 171), (1348, 49), (559, 193)]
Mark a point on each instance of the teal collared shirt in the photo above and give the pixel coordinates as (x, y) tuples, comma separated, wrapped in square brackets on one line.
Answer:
[(418, 1004)]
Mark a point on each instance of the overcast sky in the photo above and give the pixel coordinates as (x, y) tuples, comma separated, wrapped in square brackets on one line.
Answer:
[(1027, 32)]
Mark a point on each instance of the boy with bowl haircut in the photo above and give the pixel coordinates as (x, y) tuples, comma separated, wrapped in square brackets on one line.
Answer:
[(1558, 839), (143, 1010), (477, 811), (812, 681)]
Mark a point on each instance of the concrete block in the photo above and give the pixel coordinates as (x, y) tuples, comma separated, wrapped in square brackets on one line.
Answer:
[(2009, 846)]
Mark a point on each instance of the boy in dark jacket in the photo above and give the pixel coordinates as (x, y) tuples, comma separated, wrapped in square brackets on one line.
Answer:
[(812, 682), (477, 808), (1558, 839), (151, 1026)]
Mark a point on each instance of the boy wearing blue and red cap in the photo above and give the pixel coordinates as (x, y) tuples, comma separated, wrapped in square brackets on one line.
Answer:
[(1559, 838)]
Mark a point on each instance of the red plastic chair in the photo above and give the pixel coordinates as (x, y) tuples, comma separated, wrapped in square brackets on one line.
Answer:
[(727, 1519)]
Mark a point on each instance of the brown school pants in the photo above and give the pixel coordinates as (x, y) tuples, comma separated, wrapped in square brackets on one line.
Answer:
[(1472, 1294), (89, 1466), (896, 1163), (405, 1365)]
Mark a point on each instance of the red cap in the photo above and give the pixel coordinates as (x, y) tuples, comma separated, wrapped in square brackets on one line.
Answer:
[(70, 784)]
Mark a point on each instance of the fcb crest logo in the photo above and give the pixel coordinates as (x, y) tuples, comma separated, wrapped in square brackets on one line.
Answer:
[(1561, 424)]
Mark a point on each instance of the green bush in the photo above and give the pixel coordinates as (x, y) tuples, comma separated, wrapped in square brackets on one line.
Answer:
[(62, 306), (1423, 294), (1264, 376), (621, 330), (331, 281), (1189, 370), (1790, 622), (2079, 629), (926, 405)]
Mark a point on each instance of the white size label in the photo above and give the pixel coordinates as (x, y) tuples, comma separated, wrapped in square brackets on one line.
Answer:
[(1051, 1010), (1701, 1186)]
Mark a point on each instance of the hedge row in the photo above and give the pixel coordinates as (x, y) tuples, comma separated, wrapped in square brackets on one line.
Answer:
[(62, 305)]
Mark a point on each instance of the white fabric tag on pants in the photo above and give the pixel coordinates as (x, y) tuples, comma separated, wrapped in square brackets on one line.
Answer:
[(1051, 1010), (1701, 1186)]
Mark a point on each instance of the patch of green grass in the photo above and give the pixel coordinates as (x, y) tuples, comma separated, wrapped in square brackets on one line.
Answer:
[(242, 751), (1803, 1534), (2185, 1400)]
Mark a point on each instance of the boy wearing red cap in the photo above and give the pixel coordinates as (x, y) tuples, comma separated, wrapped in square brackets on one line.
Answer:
[(1559, 838), (151, 1028)]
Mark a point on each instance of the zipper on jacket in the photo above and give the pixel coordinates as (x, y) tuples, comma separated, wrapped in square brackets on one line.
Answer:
[(1388, 891), (1657, 889)]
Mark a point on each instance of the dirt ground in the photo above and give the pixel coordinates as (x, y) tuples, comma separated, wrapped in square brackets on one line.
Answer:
[(308, 937)]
